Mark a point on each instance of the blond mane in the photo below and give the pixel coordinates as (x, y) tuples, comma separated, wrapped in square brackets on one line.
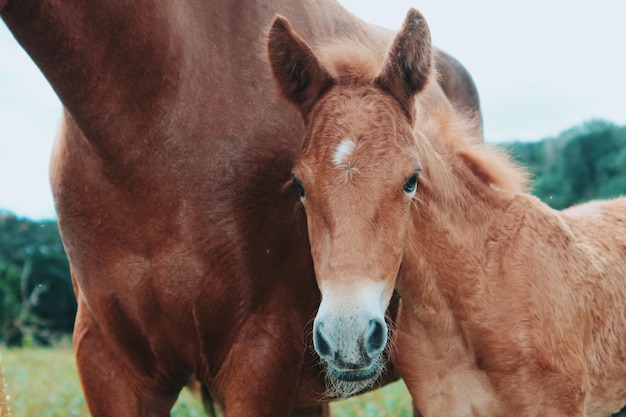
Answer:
[(458, 136)]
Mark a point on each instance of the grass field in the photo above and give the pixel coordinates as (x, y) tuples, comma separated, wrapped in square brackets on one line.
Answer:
[(44, 383)]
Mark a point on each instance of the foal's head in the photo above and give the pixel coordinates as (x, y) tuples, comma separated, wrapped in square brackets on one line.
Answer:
[(357, 175)]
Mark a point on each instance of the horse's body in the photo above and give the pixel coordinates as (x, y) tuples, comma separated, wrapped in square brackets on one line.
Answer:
[(509, 308), (168, 174), (524, 318)]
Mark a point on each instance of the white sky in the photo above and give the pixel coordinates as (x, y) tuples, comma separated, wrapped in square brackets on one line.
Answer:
[(541, 66)]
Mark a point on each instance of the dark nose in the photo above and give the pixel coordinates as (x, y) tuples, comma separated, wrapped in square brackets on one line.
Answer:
[(376, 337), (321, 343), (374, 340)]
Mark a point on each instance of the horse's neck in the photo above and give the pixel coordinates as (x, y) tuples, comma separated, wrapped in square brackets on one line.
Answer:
[(125, 72), (453, 217), (98, 56), (455, 202)]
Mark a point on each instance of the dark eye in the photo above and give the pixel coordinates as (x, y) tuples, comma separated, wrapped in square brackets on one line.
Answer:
[(411, 184), (299, 187)]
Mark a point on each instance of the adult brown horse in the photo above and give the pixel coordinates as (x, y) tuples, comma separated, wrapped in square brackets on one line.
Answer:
[(509, 308), (188, 256)]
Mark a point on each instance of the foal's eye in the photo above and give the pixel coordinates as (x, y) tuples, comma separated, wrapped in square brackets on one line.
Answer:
[(299, 187), (411, 184)]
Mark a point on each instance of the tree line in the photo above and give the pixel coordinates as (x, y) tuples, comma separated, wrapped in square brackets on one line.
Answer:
[(583, 163), (38, 304)]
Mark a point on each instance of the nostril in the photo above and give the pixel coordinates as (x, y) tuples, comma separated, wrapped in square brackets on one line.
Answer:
[(321, 343), (376, 337)]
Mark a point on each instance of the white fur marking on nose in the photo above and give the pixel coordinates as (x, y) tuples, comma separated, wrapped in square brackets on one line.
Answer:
[(368, 296), (344, 150)]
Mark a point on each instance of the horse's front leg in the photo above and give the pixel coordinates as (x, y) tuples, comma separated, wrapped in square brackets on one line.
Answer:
[(113, 386), (261, 374)]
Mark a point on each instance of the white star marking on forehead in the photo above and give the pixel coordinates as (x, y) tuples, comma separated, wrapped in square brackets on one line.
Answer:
[(344, 151)]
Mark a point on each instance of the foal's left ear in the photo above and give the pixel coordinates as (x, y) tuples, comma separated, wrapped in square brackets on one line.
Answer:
[(409, 62), (300, 77)]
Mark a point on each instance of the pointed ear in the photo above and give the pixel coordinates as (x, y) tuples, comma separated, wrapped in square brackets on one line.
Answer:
[(300, 78), (408, 63)]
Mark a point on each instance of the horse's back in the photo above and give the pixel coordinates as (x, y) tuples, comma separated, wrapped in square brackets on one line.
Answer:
[(601, 224), (599, 230)]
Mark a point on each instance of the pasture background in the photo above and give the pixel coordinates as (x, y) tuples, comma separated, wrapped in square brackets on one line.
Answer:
[(44, 383)]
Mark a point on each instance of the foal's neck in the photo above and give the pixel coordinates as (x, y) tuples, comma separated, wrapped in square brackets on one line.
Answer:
[(455, 214)]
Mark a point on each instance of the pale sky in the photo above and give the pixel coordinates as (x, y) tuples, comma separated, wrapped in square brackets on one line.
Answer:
[(541, 66)]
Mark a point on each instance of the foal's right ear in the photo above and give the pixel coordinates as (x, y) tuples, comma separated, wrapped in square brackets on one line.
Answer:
[(409, 62), (300, 77)]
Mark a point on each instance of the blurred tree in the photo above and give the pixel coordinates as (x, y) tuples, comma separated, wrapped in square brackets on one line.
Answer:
[(583, 163), (35, 285)]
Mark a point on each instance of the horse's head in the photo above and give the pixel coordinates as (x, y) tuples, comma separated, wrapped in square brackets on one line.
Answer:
[(357, 175)]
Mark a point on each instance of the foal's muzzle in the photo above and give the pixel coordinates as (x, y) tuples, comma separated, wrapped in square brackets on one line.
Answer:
[(352, 351)]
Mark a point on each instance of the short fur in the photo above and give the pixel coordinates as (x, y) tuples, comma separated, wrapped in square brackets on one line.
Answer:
[(168, 174), (509, 308)]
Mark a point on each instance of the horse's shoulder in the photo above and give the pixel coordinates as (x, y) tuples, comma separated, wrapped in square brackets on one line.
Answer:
[(609, 213), (528, 227)]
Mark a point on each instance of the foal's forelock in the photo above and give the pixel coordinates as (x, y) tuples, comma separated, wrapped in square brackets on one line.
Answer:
[(350, 62)]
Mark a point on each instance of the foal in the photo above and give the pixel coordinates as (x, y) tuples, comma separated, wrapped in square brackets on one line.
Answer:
[(509, 308)]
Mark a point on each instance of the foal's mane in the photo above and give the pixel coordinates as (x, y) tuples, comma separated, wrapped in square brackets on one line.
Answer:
[(351, 62), (452, 132)]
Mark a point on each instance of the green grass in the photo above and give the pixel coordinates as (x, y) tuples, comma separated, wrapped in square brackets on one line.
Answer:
[(392, 400), (44, 383)]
